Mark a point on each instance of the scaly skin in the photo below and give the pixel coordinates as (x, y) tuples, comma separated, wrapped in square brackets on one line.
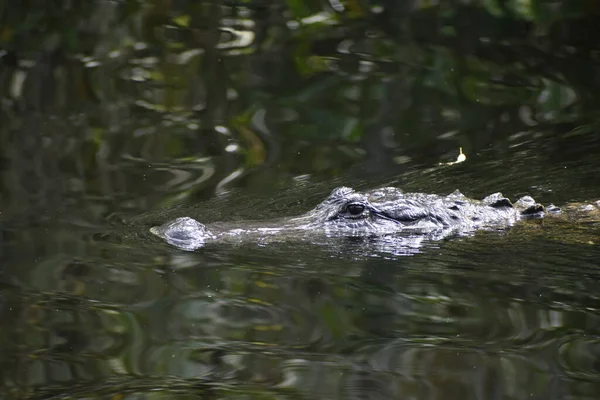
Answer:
[(379, 212)]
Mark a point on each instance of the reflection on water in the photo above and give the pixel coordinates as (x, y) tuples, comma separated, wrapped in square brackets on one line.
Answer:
[(93, 304), (117, 116), (510, 314)]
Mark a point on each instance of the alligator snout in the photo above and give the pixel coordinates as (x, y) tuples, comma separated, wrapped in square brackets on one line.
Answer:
[(183, 232)]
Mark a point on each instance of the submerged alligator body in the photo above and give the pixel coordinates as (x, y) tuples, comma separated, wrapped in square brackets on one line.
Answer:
[(376, 213)]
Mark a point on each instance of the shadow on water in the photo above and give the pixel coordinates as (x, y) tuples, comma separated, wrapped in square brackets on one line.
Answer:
[(117, 116)]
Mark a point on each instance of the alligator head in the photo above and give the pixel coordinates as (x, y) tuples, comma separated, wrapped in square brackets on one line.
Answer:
[(346, 212), (387, 210)]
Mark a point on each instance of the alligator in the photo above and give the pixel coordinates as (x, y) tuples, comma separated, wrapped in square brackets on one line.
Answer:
[(375, 213)]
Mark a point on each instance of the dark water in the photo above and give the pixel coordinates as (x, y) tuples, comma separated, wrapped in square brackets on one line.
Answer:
[(116, 116)]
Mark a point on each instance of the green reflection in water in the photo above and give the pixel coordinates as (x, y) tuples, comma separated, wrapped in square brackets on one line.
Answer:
[(120, 115)]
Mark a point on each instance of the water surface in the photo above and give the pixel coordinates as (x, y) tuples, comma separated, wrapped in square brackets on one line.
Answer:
[(117, 116)]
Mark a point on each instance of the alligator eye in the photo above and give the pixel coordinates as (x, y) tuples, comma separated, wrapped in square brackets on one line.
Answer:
[(355, 208)]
